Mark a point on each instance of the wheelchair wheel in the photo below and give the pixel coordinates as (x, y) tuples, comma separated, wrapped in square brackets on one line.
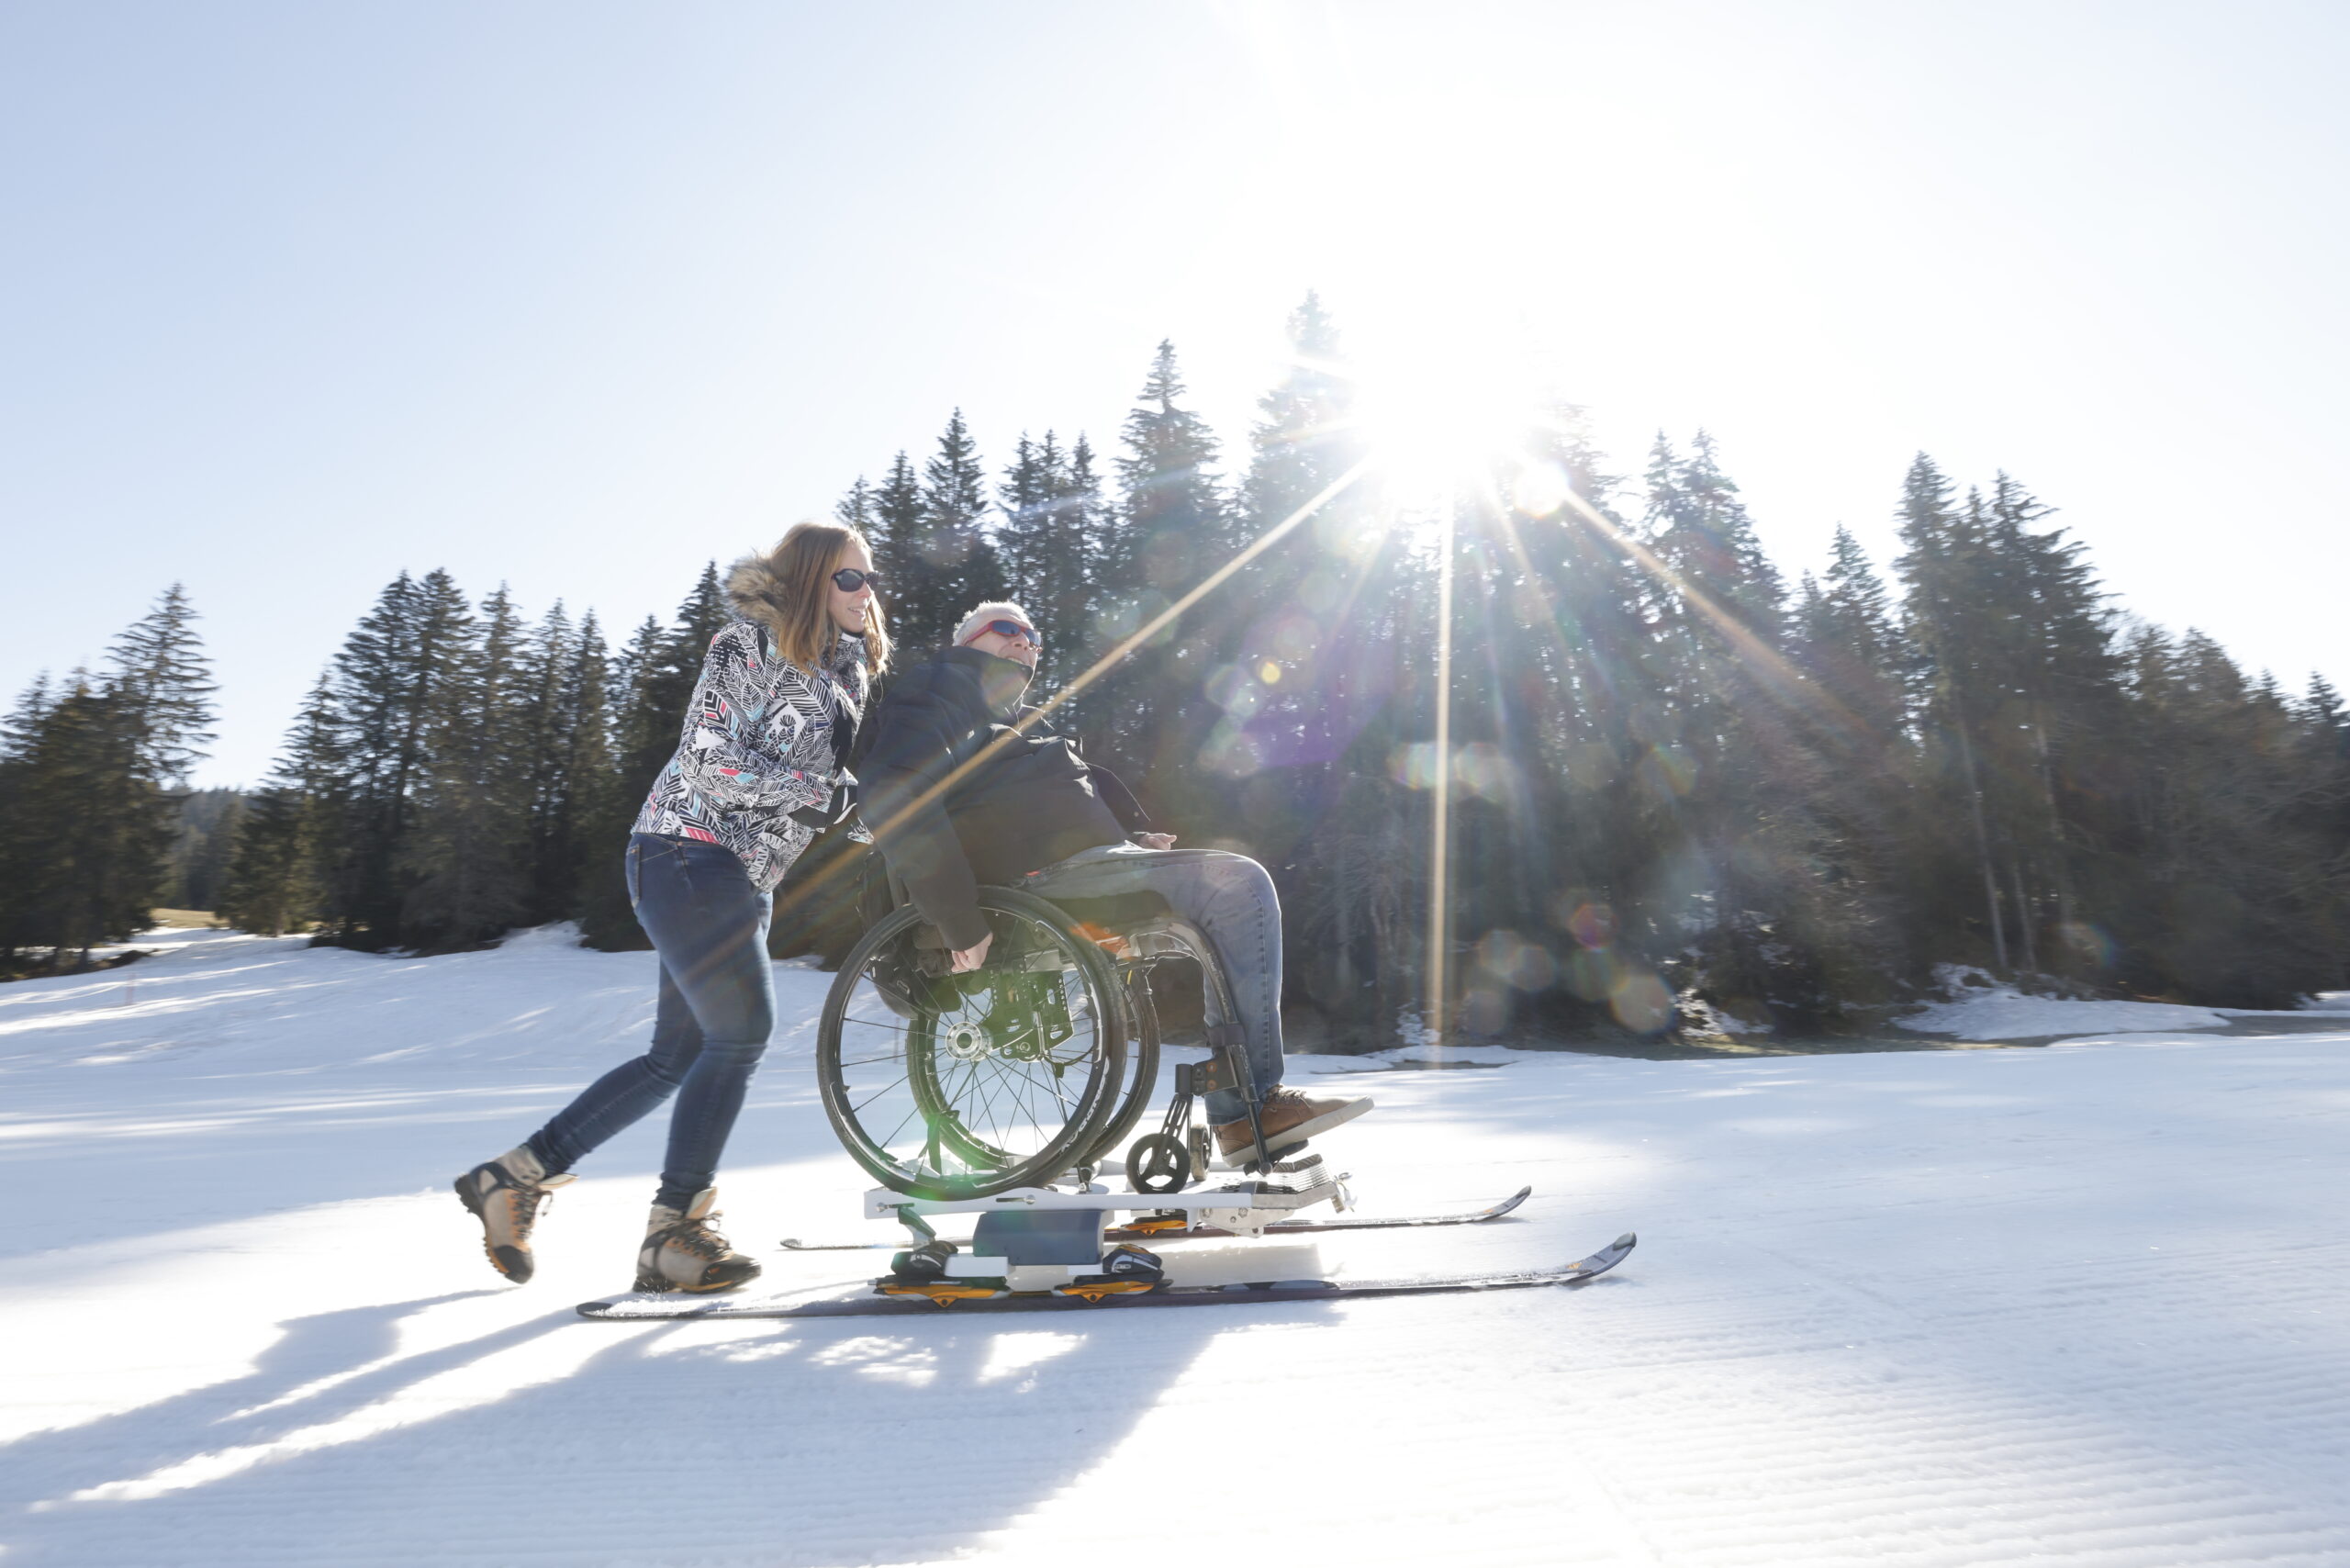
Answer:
[(956, 1086), (1142, 1075)]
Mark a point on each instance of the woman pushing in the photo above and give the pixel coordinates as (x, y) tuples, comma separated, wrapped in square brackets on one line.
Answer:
[(759, 771)]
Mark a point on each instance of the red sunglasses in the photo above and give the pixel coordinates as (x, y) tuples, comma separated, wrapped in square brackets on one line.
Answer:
[(1010, 629)]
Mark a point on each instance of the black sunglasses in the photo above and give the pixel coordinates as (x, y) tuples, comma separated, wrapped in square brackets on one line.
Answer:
[(849, 579), (1012, 629)]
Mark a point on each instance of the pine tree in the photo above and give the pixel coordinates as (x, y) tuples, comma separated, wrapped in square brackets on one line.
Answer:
[(1305, 437), (1949, 574), (855, 509), (1048, 541), (163, 687), (1173, 528), (1177, 524), (290, 832), (387, 681), (22, 853), (913, 596), (569, 762), (954, 542), (1076, 539), (543, 723), (465, 881), (1031, 486), (1850, 642), (98, 826), (1286, 664), (86, 777)]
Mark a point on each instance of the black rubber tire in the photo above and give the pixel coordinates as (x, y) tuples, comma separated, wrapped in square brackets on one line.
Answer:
[(1142, 1178), (1100, 1102), (1142, 1072)]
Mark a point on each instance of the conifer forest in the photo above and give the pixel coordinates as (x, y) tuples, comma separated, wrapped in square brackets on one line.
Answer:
[(1681, 781)]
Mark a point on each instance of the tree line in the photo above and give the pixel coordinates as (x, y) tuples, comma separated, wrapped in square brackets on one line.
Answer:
[(1680, 786), (93, 788)]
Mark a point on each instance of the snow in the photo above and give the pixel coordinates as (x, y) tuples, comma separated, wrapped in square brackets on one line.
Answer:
[(1983, 1010), (2079, 1305), (2002, 1012)]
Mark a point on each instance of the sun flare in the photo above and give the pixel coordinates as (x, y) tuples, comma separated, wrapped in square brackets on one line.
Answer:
[(1439, 413)]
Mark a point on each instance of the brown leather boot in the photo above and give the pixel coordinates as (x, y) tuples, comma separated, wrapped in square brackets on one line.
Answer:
[(505, 1194), (683, 1250), (1289, 1119)]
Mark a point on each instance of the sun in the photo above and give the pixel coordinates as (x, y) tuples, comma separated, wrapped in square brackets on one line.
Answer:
[(1441, 412)]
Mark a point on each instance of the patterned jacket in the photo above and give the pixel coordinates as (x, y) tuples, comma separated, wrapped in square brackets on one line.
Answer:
[(762, 740)]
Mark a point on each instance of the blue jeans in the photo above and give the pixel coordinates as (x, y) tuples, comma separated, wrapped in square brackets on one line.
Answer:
[(717, 1009), (1231, 899)]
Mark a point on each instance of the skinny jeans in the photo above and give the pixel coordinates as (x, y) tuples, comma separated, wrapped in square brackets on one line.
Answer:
[(716, 1010), (1231, 899)]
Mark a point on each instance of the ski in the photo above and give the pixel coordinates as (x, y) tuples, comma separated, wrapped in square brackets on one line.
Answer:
[(1345, 1222), (965, 1297), (1283, 1227)]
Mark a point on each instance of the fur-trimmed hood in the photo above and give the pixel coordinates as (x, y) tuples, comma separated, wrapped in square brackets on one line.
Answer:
[(754, 593)]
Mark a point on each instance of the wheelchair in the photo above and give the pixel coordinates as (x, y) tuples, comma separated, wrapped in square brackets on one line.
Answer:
[(1034, 1066)]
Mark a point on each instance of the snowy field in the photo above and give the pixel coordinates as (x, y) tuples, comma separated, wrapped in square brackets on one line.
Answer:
[(2081, 1304)]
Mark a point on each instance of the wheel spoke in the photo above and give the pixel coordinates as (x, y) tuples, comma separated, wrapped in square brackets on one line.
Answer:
[(977, 1117), (878, 1092), (885, 1143)]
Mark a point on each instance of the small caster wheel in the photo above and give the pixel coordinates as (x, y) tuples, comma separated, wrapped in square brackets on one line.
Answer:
[(1158, 1163)]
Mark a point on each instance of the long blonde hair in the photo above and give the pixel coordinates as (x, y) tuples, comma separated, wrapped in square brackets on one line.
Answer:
[(786, 589)]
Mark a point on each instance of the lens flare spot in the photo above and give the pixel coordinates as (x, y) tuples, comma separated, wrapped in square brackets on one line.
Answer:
[(1231, 751), (2090, 943), (1516, 962), (1234, 690), (1666, 772), (1540, 489), (1592, 924), (1482, 769), (1588, 973), (1322, 593), (1294, 637), (1640, 1001), (1414, 766)]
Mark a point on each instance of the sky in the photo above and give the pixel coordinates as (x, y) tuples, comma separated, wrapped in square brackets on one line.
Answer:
[(574, 297)]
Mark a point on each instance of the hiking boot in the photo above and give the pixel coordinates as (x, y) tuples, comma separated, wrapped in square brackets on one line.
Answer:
[(683, 1250), (505, 1195), (1289, 1119)]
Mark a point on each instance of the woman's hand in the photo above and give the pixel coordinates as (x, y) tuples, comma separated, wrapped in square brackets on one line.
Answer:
[(971, 957), (1155, 840)]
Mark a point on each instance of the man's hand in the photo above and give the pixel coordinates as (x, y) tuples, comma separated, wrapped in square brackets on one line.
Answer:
[(1155, 840), (971, 957)]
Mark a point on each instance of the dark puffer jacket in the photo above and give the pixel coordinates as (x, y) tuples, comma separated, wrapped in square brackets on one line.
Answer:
[(1033, 799)]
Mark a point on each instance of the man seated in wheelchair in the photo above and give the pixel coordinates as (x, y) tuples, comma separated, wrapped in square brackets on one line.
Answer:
[(1032, 814)]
